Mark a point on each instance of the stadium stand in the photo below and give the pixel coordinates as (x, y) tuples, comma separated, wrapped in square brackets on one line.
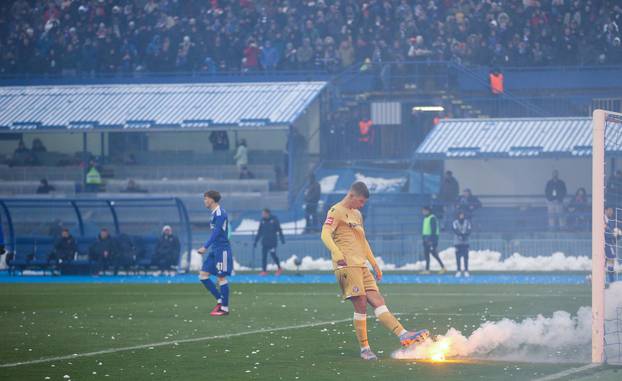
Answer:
[(69, 37)]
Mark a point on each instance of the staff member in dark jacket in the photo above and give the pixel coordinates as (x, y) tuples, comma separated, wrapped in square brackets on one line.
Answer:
[(312, 198), (167, 250), (430, 232), (102, 252), (555, 193), (65, 249), (269, 227), (462, 231)]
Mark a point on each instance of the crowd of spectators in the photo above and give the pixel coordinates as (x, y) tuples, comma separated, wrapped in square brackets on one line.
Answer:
[(112, 36)]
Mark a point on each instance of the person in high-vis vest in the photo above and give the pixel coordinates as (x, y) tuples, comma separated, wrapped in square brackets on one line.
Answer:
[(93, 179), (430, 232)]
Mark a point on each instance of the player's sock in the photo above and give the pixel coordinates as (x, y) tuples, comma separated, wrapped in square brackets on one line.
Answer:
[(360, 326), (224, 290), (387, 319), (211, 287)]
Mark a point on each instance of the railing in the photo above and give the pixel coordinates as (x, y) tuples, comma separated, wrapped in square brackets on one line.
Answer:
[(408, 249), (164, 77), (504, 216)]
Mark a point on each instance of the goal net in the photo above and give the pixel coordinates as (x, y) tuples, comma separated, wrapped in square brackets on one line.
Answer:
[(607, 237)]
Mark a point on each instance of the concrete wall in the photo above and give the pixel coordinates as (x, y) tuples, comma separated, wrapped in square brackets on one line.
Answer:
[(520, 176)]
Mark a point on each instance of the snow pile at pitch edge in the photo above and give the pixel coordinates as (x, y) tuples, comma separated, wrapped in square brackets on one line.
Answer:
[(558, 338), (488, 260), (483, 260)]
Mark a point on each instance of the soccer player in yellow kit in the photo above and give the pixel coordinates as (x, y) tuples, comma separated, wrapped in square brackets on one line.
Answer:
[(344, 236)]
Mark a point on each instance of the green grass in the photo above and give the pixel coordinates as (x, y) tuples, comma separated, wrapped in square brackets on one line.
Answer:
[(45, 320)]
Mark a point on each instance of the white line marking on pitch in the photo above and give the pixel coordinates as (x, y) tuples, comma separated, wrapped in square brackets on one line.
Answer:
[(567, 372), (167, 343)]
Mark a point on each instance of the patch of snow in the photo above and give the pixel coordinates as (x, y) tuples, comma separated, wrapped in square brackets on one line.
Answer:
[(249, 226), (380, 184), (328, 183)]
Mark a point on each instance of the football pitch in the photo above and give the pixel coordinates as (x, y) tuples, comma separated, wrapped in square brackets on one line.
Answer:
[(275, 332)]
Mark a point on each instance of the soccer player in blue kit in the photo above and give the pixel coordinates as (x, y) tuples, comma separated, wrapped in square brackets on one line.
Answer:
[(219, 260)]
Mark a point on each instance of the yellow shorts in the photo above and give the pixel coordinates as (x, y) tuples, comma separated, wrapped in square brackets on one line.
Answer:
[(355, 281)]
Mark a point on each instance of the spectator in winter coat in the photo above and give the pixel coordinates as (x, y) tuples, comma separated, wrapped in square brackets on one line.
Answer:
[(246, 174), (125, 254), (312, 199), (269, 57), (467, 203), (44, 187), (65, 249), (167, 250), (102, 252), (579, 210), (462, 230), (219, 140), (555, 193), (269, 228), (447, 196), (241, 155)]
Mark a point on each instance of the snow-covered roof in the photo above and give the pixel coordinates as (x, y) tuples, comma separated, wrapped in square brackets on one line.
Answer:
[(161, 106), (510, 138)]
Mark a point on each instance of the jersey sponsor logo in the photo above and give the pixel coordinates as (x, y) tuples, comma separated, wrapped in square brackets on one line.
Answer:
[(329, 221), (355, 289)]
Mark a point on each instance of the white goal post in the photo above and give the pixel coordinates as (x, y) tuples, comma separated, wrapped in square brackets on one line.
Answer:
[(606, 239), (598, 236)]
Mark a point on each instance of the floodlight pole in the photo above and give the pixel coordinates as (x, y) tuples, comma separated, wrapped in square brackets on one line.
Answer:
[(598, 236)]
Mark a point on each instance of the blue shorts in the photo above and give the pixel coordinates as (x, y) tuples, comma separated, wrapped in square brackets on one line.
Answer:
[(219, 262)]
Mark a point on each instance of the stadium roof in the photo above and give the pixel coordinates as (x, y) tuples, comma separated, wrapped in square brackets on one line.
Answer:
[(510, 138), (169, 106)]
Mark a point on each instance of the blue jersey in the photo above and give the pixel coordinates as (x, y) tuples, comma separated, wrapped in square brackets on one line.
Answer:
[(220, 229)]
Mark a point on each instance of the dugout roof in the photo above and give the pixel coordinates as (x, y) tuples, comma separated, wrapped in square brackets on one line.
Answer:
[(508, 138), (154, 107)]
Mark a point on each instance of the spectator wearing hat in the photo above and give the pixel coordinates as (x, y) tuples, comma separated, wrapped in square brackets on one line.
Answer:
[(167, 250)]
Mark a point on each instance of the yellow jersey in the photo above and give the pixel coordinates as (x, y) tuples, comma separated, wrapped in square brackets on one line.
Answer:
[(344, 235)]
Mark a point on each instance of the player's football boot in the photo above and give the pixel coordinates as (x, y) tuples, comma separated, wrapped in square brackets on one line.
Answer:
[(367, 354), (216, 309), (220, 312), (442, 271), (466, 274), (458, 274), (424, 272), (263, 273), (410, 338), (278, 272)]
